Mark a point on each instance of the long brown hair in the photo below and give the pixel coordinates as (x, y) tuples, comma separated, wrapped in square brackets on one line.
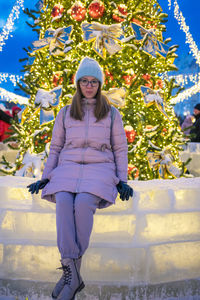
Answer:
[(102, 106)]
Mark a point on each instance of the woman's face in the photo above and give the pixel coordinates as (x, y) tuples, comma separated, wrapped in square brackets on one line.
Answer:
[(89, 86)]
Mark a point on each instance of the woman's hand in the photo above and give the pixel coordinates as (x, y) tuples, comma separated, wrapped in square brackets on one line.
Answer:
[(38, 185), (124, 190)]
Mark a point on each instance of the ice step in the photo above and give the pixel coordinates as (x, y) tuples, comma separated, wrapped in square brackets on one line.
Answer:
[(128, 264), (40, 262), (180, 290)]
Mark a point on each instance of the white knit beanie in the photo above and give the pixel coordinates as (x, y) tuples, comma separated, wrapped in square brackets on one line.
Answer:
[(89, 67)]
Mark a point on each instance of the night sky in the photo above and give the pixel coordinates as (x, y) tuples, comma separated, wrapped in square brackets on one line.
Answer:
[(22, 36)]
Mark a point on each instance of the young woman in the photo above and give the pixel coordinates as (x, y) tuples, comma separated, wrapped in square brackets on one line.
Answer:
[(86, 168)]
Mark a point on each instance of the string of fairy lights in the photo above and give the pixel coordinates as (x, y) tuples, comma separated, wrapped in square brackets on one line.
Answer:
[(5, 77), (9, 96), (193, 50), (9, 26), (183, 79), (169, 4), (6, 32)]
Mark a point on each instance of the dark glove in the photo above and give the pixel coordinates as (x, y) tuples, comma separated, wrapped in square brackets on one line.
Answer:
[(124, 190), (38, 185)]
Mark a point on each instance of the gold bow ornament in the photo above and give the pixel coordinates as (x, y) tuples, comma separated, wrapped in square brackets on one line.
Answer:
[(33, 164), (56, 39), (46, 101), (116, 96), (163, 162), (153, 97), (105, 37), (151, 45)]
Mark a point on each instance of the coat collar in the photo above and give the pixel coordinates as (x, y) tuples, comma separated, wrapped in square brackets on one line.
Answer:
[(86, 101)]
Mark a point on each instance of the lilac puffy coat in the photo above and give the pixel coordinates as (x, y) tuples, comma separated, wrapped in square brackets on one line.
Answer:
[(85, 156)]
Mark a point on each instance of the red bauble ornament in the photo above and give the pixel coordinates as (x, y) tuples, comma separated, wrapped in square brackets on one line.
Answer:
[(57, 11), (96, 9), (78, 12), (130, 133)]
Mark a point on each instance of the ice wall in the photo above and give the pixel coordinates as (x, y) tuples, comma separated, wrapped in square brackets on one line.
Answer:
[(152, 238)]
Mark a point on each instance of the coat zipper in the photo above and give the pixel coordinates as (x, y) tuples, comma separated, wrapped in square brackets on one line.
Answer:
[(84, 149)]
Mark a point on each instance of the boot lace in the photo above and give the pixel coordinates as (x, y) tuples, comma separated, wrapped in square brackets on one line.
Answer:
[(67, 274)]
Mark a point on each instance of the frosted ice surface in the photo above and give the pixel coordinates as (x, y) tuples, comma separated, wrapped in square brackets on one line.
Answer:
[(152, 238), (187, 199), (173, 262), (171, 227), (154, 200)]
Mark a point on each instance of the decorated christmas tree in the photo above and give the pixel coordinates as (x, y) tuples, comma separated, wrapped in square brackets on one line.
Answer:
[(126, 38)]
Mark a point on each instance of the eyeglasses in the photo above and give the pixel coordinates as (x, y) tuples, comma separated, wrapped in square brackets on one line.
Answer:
[(85, 82)]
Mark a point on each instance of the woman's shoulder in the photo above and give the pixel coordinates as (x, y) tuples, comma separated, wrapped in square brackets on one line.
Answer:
[(64, 109), (115, 111)]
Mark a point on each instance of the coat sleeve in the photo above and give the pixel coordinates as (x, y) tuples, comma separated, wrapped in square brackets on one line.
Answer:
[(57, 143), (119, 147)]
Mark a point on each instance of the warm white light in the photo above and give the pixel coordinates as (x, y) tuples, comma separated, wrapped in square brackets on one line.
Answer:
[(4, 77), (186, 94), (10, 22), (13, 97), (183, 79), (189, 39)]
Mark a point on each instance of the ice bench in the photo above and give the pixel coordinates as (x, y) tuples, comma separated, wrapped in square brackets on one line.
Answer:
[(152, 239)]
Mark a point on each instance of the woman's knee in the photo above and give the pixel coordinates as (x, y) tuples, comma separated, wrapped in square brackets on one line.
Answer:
[(63, 198), (86, 201)]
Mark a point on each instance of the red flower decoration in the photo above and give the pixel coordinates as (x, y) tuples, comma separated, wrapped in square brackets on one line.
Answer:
[(122, 9), (133, 170), (151, 24), (128, 78), (149, 84), (57, 78), (159, 84), (146, 77), (96, 9), (130, 133), (73, 78), (109, 76), (117, 18), (78, 12), (120, 13), (136, 21)]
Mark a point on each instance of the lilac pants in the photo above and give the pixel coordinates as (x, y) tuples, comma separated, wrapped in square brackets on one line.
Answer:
[(74, 221)]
